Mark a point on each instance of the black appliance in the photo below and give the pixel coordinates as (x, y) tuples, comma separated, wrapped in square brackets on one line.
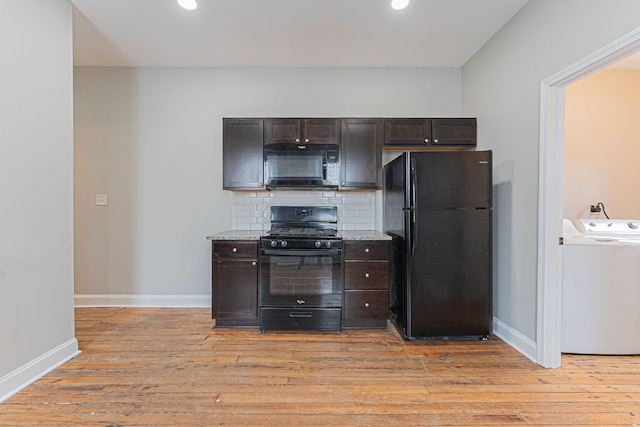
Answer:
[(291, 166), (437, 208), (301, 270)]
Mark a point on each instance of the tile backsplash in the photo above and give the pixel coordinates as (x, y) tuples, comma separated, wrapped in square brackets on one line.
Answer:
[(356, 209)]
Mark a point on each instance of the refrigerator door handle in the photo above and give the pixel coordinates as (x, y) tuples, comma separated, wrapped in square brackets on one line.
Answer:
[(413, 209), (414, 232)]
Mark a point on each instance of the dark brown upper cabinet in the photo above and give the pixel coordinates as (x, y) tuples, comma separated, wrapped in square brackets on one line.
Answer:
[(302, 131), (243, 163), (360, 154), (460, 132)]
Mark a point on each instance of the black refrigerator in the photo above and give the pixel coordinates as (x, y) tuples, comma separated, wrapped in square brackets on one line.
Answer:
[(437, 208)]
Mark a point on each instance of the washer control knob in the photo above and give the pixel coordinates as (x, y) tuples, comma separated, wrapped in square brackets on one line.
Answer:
[(317, 244), (328, 244), (274, 243), (632, 225), (284, 243)]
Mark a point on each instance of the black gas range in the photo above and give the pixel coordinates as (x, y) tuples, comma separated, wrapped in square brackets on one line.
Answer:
[(301, 270)]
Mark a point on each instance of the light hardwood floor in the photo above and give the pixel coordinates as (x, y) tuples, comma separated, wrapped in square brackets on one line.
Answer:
[(167, 367)]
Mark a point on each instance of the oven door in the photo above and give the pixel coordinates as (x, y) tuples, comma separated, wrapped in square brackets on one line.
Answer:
[(301, 278)]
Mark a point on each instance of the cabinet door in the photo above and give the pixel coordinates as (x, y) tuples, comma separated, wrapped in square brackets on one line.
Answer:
[(235, 292), (283, 130), (360, 154), (243, 164), (320, 131), (302, 131), (458, 132), (407, 132)]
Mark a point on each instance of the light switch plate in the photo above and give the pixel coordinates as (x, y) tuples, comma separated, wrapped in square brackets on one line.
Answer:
[(101, 200)]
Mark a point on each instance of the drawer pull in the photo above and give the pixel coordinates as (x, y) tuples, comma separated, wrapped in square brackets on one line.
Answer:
[(253, 263), (234, 250), (366, 274), (300, 314), (366, 250), (366, 304)]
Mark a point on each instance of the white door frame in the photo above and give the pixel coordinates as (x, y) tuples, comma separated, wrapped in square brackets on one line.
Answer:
[(550, 191)]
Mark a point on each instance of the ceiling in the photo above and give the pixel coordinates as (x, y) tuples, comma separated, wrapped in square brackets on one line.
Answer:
[(285, 33)]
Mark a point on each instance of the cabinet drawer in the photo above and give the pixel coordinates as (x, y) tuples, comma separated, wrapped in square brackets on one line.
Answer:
[(366, 304), (366, 250), (295, 318), (366, 275), (244, 249)]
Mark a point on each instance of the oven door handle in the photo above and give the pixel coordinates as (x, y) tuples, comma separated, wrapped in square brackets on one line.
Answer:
[(300, 314), (300, 252)]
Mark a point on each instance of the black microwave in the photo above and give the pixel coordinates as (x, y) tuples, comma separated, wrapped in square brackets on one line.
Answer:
[(291, 166)]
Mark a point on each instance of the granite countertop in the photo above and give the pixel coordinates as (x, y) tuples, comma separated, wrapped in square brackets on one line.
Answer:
[(364, 235), (237, 235), (255, 235)]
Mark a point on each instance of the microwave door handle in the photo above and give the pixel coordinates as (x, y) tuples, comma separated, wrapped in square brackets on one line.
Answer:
[(324, 166)]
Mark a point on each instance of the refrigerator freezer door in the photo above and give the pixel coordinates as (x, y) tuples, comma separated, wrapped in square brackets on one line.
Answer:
[(453, 179), (449, 279)]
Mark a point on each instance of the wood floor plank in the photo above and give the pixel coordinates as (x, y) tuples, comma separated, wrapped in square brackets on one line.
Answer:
[(168, 367)]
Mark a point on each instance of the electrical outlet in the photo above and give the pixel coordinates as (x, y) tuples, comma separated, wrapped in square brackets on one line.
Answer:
[(595, 209), (101, 200)]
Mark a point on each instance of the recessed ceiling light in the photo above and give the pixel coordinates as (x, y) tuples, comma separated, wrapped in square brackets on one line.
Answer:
[(188, 4), (399, 4)]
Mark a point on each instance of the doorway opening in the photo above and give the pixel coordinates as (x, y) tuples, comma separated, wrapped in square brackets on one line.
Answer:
[(551, 195)]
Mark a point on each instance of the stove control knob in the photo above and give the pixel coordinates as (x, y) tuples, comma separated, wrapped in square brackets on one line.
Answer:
[(633, 225), (317, 244), (284, 243), (328, 244), (274, 243)]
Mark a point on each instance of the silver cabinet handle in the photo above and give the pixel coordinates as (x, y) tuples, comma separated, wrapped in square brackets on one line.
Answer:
[(366, 250), (426, 140), (306, 140), (435, 141), (366, 274), (297, 139), (366, 304), (253, 263), (234, 250)]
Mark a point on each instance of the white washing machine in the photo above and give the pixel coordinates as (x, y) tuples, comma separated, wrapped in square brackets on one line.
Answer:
[(601, 287)]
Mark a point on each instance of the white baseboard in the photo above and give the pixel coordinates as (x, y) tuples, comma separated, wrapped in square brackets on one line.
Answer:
[(515, 339), (164, 301), (15, 381)]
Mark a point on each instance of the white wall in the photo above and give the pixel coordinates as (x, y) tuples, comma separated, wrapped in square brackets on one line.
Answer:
[(151, 139), (36, 253), (601, 144), (501, 86)]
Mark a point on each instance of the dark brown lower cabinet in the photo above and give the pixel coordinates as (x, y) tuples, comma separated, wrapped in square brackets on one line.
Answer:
[(234, 283), (366, 284)]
